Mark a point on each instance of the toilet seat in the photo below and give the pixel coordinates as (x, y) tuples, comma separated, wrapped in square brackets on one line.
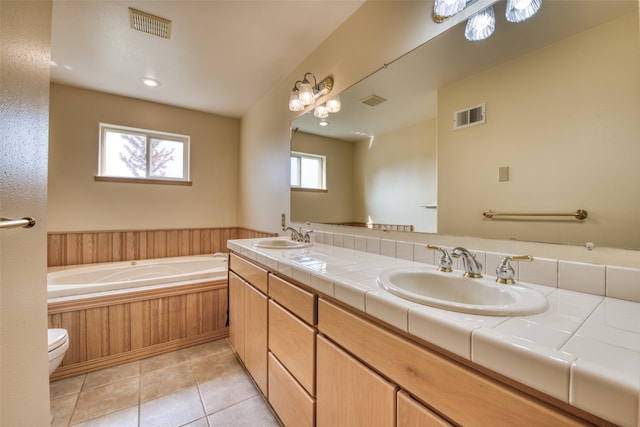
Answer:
[(57, 338)]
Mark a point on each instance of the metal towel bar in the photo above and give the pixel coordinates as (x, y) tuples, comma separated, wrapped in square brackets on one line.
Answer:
[(26, 222), (580, 214)]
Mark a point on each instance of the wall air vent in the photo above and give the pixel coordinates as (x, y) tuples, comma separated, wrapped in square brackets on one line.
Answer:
[(471, 116), (149, 24), (373, 100)]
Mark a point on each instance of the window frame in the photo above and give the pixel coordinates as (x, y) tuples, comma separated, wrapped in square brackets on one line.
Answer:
[(322, 178), (148, 134)]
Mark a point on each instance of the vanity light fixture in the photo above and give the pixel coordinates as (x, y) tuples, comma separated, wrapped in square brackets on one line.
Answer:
[(304, 93), (481, 25), (519, 10)]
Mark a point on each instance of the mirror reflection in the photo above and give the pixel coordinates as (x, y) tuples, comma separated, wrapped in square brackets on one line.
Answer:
[(560, 132)]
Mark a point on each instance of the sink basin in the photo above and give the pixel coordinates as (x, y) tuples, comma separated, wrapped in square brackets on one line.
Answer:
[(281, 244), (451, 291)]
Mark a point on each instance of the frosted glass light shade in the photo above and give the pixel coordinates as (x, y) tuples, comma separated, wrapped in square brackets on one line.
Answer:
[(321, 111), (294, 101), (519, 10), (446, 8), (306, 92), (334, 104), (481, 25)]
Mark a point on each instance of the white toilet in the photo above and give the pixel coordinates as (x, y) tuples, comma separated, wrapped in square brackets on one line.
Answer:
[(58, 345)]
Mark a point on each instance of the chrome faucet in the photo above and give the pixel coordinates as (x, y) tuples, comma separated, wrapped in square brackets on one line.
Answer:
[(444, 262), (472, 268), (296, 235), (505, 273)]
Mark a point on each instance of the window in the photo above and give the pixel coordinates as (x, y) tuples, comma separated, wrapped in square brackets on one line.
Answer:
[(308, 171), (129, 154)]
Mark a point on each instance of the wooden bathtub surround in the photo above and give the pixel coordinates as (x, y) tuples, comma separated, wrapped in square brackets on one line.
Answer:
[(88, 247), (111, 330), (329, 364)]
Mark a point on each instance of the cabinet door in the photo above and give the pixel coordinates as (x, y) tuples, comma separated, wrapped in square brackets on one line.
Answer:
[(413, 414), (255, 338), (236, 314), (350, 394)]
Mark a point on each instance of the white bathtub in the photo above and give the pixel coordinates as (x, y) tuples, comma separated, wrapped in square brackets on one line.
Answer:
[(114, 276)]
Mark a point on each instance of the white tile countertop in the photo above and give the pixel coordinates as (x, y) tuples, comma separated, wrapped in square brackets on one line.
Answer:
[(583, 350)]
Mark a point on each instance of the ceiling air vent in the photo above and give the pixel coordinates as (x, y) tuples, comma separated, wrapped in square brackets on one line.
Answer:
[(470, 116), (149, 24), (373, 100)]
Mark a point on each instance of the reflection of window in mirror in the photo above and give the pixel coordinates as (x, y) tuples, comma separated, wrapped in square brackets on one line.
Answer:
[(308, 172)]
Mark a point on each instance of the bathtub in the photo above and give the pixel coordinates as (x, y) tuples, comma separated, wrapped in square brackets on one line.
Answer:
[(97, 279)]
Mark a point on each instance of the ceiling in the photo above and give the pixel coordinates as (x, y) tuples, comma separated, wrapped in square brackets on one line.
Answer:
[(222, 56)]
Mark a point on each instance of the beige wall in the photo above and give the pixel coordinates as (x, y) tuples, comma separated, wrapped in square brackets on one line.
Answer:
[(335, 205), (79, 203), (563, 153), (396, 177), (25, 39)]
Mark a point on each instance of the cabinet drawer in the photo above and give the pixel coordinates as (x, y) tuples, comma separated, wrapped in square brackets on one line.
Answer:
[(463, 395), (290, 401), (293, 342), (296, 300), (249, 272), (412, 413)]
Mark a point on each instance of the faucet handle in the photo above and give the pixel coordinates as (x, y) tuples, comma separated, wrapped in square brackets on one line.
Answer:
[(505, 272), (445, 262)]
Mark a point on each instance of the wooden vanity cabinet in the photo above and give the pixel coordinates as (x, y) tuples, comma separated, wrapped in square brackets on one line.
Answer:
[(412, 413), (248, 317), (292, 352), (459, 393), (349, 393)]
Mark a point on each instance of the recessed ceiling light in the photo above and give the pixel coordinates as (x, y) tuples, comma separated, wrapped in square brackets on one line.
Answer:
[(149, 81), (324, 122)]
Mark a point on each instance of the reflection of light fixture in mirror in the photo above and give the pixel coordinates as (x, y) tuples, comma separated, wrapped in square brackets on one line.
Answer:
[(334, 104), (324, 122), (443, 9), (305, 93), (321, 111), (481, 25), (519, 10)]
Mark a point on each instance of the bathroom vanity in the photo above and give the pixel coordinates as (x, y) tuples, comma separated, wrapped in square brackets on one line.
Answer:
[(327, 346)]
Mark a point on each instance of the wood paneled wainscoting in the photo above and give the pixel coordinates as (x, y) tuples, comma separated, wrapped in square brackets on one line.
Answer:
[(109, 330), (118, 328), (88, 247)]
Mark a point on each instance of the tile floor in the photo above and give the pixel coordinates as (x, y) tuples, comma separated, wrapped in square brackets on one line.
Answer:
[(199, 386)]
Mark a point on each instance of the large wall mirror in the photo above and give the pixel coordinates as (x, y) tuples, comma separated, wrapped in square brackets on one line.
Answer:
[(561, 95)]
